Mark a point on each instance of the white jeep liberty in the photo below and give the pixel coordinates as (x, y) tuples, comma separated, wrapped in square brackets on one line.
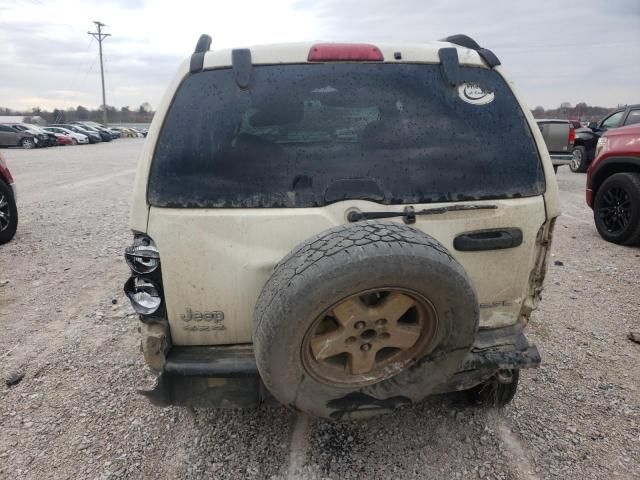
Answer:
[(346, 228)]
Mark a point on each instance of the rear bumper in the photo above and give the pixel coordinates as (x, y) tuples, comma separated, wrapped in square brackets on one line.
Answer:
[(227, 376), (561, 158)]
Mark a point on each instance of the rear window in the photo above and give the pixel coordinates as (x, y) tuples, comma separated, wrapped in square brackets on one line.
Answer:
[(312, 134)]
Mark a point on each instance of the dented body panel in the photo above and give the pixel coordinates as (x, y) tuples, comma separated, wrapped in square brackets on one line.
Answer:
[(208, 253)]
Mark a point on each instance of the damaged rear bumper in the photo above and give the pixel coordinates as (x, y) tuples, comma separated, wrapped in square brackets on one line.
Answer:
[(227, 376)]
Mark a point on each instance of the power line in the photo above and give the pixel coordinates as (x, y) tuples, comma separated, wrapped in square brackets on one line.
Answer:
[(101, 36)]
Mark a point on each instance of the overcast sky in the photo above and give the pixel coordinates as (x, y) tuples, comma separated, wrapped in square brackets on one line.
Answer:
[(555, 51)]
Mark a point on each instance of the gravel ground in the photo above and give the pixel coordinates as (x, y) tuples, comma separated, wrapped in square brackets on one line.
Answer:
[(67, 329)]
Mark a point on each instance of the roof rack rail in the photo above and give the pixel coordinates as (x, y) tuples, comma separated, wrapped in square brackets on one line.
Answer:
[(449, 65), (197, 59), (242, 66), (487, 55)]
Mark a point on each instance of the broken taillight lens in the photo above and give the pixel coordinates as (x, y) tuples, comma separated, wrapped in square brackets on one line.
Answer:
[(144, 295), (143, 256), (144, 288)]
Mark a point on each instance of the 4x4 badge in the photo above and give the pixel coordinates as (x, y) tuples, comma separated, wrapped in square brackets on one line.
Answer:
[(474, 94)]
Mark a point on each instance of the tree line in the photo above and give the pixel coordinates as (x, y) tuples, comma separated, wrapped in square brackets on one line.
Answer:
[(143, 114), (581, 111)]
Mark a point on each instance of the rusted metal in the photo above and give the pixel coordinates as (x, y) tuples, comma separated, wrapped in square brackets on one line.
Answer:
[(155, 343)]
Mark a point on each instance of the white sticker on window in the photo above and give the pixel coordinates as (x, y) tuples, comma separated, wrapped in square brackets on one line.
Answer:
[(474, 94)]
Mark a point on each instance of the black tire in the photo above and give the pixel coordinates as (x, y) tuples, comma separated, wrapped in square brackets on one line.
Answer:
[(616, 209), (9, 213), (342, 263), (27, 143), (74, 141), (579, 162), (493, 392)]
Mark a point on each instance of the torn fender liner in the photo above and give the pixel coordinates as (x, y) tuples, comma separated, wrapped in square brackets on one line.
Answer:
[(502, 348)]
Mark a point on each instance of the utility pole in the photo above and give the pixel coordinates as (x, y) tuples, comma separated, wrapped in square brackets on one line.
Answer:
[(101, 36)]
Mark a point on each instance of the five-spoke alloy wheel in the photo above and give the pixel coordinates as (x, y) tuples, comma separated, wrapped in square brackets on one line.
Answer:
[(369, 336)]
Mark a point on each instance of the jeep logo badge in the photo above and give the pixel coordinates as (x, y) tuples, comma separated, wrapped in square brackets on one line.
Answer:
[(474, 94), (205, 320)]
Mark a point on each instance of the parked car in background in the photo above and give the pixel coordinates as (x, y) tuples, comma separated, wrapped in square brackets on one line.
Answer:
[(613, 185), (125, 132), (559, 136), (76, 138), (44, 140), (114, 133), (49, 138), (629, 115), (8, 207), (142, 132), (130, 132), (584, 150), (11, 137), (105, 135), (90, 124), (94, 137), (63, 139)]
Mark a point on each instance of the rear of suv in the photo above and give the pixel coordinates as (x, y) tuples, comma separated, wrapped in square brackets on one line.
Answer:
[(346, 228)]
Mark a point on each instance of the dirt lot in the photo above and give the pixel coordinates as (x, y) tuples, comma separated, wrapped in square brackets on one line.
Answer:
[(68, 329)]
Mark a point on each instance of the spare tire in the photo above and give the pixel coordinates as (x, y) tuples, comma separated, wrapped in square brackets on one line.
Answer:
[(363, 318)]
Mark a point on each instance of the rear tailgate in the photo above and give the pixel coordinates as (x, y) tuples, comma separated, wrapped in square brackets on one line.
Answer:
[(556, 136), (239, 177)]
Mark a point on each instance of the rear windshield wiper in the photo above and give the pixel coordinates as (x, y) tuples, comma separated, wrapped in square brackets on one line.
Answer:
[(409, 213)]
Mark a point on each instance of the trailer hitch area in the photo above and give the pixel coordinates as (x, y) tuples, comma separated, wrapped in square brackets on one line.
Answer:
[(206, 392)]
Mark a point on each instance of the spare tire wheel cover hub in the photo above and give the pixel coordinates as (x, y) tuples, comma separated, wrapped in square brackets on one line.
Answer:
[(369, 336)]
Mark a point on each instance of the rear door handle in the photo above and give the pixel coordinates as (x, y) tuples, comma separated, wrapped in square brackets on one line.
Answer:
[(491, 239)]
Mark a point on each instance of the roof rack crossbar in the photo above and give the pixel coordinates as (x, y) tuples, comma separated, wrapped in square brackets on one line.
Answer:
[(487, 55), (197, 59)]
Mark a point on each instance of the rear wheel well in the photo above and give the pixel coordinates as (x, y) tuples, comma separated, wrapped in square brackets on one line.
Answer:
[(611, 168)]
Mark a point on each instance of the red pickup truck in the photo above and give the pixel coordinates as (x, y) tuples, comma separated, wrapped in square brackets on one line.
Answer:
[(613, 186), (8, 209)]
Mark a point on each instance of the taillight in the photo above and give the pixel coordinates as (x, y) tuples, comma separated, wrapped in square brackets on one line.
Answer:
[(572, 135), (144, 288), (143, 256), (144, 295), (345, 52)]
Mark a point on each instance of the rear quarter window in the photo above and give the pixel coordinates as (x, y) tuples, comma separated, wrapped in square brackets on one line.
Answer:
[(311, 134)]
